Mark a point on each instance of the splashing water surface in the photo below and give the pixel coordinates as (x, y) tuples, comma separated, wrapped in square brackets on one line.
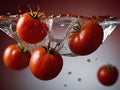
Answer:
[(60, 27)]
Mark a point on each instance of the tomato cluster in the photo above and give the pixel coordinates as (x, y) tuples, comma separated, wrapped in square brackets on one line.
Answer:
[(45, 62)]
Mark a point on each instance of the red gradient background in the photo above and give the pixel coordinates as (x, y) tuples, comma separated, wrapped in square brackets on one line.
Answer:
[(109, 52)]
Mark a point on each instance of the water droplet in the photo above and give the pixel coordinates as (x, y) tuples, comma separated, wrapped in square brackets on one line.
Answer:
[(79, 79), (19, 11), (8, 13), (65, 85), (88, 60), (69, 73), (62, 25), (18, 6), (96, 58)]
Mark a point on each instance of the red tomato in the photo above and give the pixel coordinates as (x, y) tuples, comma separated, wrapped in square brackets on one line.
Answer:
[(86, 39), (45, 64), (16, 59), (31, 28), (107, 75)]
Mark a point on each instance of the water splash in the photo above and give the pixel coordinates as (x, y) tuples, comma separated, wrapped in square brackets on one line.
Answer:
[(60, 29)]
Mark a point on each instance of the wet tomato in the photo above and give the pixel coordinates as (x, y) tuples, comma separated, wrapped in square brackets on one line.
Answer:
[(107, 75), (16, 57), (31, 27), (86, 38), (45, 63)]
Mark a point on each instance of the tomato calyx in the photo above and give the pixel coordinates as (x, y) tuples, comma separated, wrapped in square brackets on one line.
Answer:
[(110, 67), (24, 50), (77, 27), (36, 15), (51, 50)]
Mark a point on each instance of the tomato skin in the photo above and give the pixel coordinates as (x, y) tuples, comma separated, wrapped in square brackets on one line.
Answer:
[(107, 77), (31, 30), (45, 66), (87, 40), (14, 58)]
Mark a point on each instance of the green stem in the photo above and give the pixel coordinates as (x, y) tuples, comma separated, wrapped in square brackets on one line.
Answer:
[(22, 48), (32, 14), (110, 67), (36, 15), (57, 45), (48, 48), (51, 50), (77, 27)]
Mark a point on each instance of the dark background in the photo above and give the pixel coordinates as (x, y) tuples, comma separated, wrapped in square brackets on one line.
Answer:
[(108, 52), (79, 7)]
